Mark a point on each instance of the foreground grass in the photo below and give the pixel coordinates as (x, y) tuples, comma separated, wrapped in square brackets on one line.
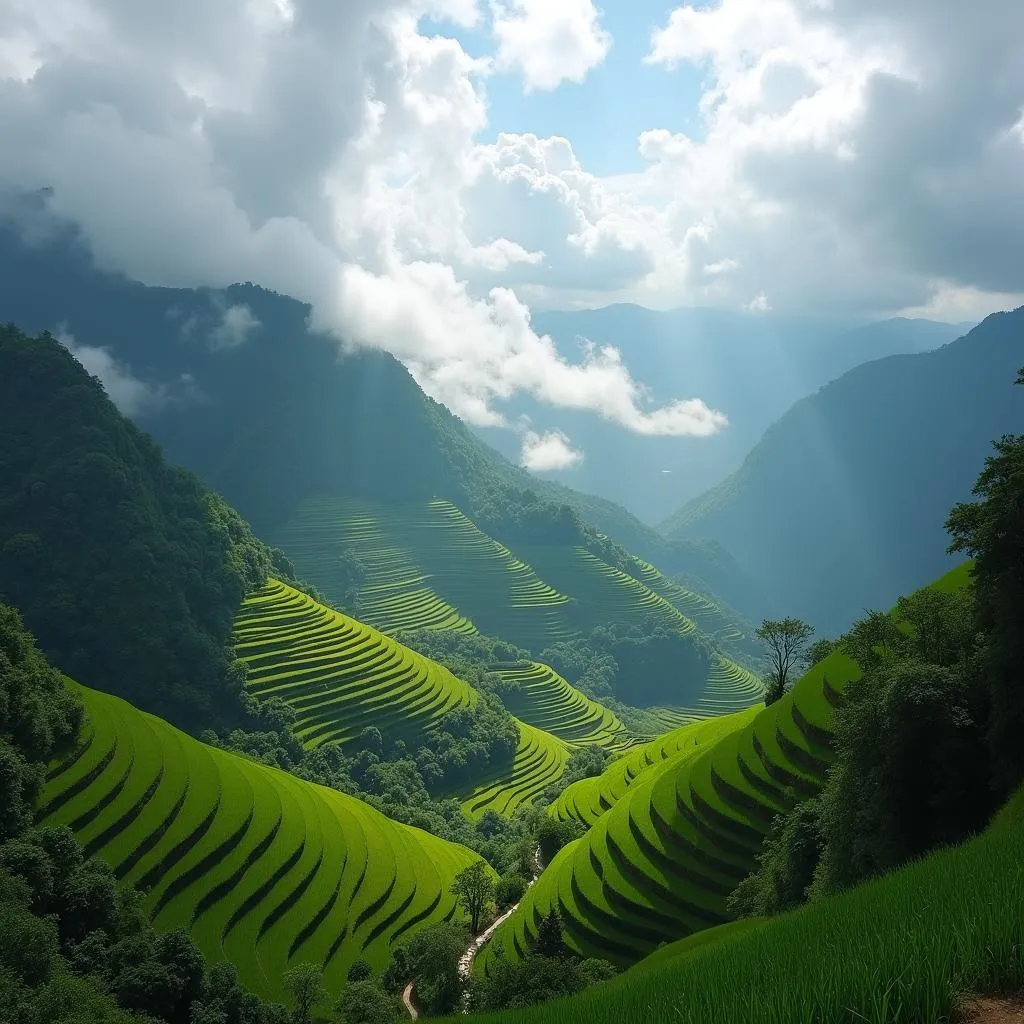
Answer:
[(894, 951)]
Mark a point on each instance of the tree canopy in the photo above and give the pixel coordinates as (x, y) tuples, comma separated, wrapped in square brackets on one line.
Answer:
[(127, 570)]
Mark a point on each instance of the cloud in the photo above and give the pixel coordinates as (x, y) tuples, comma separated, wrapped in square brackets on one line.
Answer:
[(470, 352), (131, 395), (329, 152), (237, 322), (549, 41), (847, 151), (844, 154), (545, 452)]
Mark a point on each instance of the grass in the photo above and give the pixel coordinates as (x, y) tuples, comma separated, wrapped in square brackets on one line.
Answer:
[(339, 675), (676, 824), (262, 868), (898, 950)]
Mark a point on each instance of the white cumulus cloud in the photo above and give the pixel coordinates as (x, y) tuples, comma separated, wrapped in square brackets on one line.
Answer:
[(549, 451), (549, 41)]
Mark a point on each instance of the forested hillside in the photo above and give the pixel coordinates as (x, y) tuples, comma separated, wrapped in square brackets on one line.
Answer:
[(127, 570), (270, 414), (727, 358), (841, 506)]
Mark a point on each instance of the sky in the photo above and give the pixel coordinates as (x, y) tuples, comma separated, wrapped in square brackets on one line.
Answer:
[(425, 173)]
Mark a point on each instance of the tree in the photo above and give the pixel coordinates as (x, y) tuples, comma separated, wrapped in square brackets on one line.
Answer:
[(786, 640), (818, 651), (474, 887), (991, 530), (910, 773), (360, 971), (789, 854), (510, 889), (431, 956), (365, 1002), (549, 941), (304, 983)]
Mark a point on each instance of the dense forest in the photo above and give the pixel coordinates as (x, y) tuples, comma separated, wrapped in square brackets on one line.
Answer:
[(127, 570), (927, 742)]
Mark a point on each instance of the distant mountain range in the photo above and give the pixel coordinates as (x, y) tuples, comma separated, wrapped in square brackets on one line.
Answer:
[(751, 366), (842, 504), (234, 386)]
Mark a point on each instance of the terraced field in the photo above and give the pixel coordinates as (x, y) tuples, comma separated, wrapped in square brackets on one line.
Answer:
[(261, 868), (542, 698), (341, 676), (540, 760), (603, 594), (336, 673), (709, 616), (587, 800), (660, 862), (427, 567)]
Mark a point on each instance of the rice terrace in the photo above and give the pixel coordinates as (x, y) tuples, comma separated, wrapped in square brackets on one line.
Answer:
[(511, 512)]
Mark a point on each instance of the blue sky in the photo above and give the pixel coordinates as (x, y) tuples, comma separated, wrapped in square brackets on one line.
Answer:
[(603, 116)]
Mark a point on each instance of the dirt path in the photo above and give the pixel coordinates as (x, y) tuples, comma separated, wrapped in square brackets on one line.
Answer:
[(407, 1000), (467, 958), (475, 945)]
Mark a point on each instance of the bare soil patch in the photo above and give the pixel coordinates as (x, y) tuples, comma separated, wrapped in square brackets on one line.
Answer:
[(991, 1010)]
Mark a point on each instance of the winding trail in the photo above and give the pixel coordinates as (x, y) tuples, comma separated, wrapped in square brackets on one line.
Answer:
[(407, 1000), (475, 945)]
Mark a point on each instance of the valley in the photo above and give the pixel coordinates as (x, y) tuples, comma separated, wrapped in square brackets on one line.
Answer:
[(333, 753)]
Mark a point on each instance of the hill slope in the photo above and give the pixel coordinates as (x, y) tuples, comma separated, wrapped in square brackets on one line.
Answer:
[(428, 566), (661, 861), (263, 869), (278, 418), (724, 357), (899, 949), (841, 505), (127, 570)]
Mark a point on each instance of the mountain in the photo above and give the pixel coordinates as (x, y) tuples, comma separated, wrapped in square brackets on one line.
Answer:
[(234, 385), (842, 503), (127, 570), (751, 366)]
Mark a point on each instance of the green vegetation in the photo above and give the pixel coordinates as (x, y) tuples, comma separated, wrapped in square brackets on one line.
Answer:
[(337, 675), (127, 571), (538, 695), (680, 835), (585, 801), (898, 949), (262, 869), (74, 946), (786, 640), (429, 567)]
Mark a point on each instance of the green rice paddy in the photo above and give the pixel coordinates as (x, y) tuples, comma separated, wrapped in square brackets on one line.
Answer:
[(542, 698), (262, 868), (428, 566), (898, 950), (339, 675), (677, 824)]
